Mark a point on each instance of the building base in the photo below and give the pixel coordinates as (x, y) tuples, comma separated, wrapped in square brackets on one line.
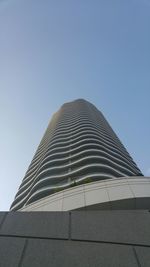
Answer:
[(77, 238), (111, 194)]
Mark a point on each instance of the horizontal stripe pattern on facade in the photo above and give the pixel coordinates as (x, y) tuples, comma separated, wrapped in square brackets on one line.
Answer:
[(78, 147)]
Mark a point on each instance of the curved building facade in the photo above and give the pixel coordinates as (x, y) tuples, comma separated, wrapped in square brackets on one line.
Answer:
[(78, 150)]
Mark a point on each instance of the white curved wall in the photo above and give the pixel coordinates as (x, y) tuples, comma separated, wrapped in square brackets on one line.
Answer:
[(119, 193)]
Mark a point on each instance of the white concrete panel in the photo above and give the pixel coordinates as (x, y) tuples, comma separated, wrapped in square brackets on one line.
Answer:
[(73, 202), (96, 196), (94, 185), (119, 192), (141, 189), (73, 198), (115, 182), (47, 203), (53, 206), (73, 190)]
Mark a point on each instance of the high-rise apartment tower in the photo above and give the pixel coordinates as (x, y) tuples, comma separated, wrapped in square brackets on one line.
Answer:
[(80, 163)]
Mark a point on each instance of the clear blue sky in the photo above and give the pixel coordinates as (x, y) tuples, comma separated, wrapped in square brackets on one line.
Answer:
[(56, 51)]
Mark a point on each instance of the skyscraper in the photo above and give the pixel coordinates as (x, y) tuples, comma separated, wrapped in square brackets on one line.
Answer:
[(79, 151), (82, 170)]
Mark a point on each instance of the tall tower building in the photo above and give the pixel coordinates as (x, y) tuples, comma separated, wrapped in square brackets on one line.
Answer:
[(79, 164), (101, 200)]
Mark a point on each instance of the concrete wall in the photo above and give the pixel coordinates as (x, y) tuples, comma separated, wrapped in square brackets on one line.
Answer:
[(78, 238)]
